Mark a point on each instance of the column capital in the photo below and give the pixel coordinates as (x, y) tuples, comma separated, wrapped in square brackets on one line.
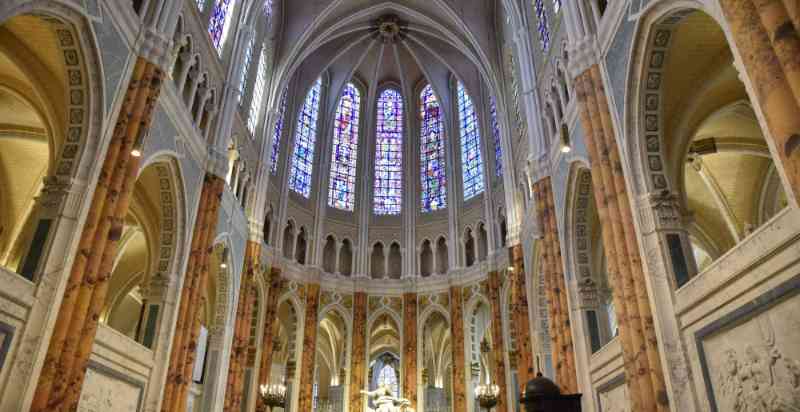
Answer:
[(583, 55)]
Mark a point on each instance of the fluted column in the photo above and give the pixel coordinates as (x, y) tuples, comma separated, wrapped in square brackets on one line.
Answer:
[(358, 356), (270, 328), (184, 341), (457, 336), (555, 289), (766, 34), (62, 376), (306, 387), (644, 375), (241, 334), (520, 317), (498, 343), (410, 348)]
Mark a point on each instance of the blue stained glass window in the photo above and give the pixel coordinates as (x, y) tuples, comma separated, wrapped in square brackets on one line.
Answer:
[(471, 160), (432, 152), (268, 9), (220, 22), (258, 91), (387, 376), (556, 6), (341, 192), (498, 150), (276, 138), (543, 27), (304, 139), (248, 58), (389, 154)]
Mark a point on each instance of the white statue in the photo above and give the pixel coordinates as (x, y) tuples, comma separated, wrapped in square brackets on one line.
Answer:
[(386, 402)]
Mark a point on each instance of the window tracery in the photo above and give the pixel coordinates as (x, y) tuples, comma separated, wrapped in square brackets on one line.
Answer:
[(278, 131), (471, 159), (389, 154), (304, 140), (432, 152), (498, 150), (258, 91), (341, 192), (388, 377), (543, 27), (219, 25), (248, 58)]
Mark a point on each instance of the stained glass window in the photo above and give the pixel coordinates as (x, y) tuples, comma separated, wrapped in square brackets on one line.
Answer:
[(220, 22), (389, 154), (304, 139), (543, 27), (471, 160), (432, 152), (276, 138), (388, 377), (268, 9), (258, 91), (201, 4), (556, 6), (341, 192), (248, 58), (498, 150)]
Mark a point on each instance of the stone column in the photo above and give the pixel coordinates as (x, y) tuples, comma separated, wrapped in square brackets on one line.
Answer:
[(358, 356), (555, 289), (184, 341), (270, 328), (519, 315), (457, 336), (644, 375), (498, 344), (766, 35), (241, 336), (410, 348), (306, 388), (62, 376)]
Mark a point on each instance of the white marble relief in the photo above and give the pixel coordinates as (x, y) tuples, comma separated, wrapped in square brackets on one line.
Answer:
[(615, 399), (755, 366), (102, 393)]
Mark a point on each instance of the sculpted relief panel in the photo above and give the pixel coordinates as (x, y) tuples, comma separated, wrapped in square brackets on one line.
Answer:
[(615, 399), (754, 366), (103, 392)]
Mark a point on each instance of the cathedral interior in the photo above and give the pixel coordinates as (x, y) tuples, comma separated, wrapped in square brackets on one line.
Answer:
[(293, 205)]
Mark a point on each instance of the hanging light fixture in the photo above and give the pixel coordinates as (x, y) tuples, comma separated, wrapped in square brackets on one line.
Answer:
[(566, 145)]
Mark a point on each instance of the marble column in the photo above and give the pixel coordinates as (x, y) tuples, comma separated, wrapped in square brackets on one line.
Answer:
[(184, 340), (306, 387), (644, 375), (241, 337), (457, 336), (766, 35), (62, 376), (498, 343), (520, 317), (555, 289), (270, 328), (358, 356), (410, 348)]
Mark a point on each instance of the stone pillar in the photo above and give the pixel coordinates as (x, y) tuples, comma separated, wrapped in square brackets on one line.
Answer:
[(498, 344), (555, 289), (306, 388), (519, 315), (457, 335), (410, 348), (62, 376), (270, 327), (644, 375), (187, 327), (358, 356), (766, 35), (241, 334)]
